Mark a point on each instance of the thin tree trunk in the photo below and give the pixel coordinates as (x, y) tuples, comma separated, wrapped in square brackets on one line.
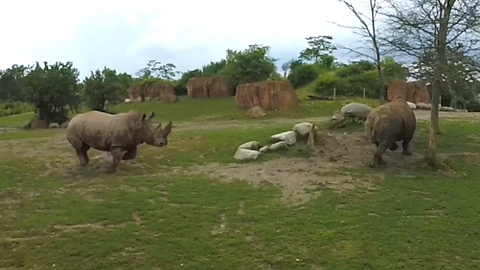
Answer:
[(439, 71)]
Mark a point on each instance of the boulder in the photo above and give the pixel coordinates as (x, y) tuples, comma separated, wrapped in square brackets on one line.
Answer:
[(303, 128), (412, 105), (264, 149), (208, 87), (39, 124), (422, 106), (289, 137), (246, 154), (252, 145), (269, 95), (278, 146), (414, 92), (53, 125), (355, 110), (256, 112)]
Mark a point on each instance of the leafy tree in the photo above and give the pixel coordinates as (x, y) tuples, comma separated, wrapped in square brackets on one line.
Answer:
[(213, 68), (303, 74), (248, 66), (393, 70), (104, 86), (53, 90), (318, 50), (126, 80), (155, 69), (12, 83)]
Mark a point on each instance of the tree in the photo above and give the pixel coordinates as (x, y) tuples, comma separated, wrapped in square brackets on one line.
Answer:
[(417, 26), (368, 32), (155, 69), (213, 68), (248, 66), (461, 70), (303, 74), (393, 70), (102, 87), (12, 83), (53, 91), (319, 50)]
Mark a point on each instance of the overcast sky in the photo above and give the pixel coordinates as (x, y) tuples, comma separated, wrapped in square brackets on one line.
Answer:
[(125, 35)]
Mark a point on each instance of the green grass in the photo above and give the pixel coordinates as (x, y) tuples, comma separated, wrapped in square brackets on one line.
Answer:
[(198, 110), (154, 215)]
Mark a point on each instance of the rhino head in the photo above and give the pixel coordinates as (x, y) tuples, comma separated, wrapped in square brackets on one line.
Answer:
[(156, 137)]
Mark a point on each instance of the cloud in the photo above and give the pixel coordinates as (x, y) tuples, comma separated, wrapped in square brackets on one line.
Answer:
[(125, 35)]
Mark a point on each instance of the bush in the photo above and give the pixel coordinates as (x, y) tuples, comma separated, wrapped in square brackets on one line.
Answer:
[(303, 75), (12, 108)]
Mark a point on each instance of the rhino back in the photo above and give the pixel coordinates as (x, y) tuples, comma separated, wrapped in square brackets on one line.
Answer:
[(385, 123), (102, 130)]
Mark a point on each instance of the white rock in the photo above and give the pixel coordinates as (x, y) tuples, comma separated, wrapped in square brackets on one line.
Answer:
[(251, 145), (127, 100), (278, 145), (245, 154), (290, 137), (412, 105), (422, 106), (264, 149), (448, 109), (356, 110), (303, 128), (53, 125)]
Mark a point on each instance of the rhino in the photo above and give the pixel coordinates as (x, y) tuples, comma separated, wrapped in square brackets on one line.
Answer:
[(119, 134), (387, 124)]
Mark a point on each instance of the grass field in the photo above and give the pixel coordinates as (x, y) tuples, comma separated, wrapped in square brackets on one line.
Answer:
[(180, 207)]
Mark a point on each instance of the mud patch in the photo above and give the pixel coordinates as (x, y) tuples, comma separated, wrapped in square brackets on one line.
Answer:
[(301, 179)]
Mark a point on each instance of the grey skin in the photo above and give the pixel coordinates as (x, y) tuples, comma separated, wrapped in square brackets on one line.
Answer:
[(388, 124), (118, 134)]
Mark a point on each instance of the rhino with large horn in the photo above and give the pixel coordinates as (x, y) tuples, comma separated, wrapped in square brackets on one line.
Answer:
[(119, 134)]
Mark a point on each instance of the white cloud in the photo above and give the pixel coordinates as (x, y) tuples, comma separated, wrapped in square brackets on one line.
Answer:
[(180, 27)]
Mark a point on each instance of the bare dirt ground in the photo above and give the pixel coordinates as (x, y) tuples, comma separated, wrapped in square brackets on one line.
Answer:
[(301, 179)]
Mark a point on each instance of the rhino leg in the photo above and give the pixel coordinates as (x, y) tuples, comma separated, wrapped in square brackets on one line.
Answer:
[(405, 144), (117, 154), (131, 154), (393, 146), (82, 154), (378, 156)]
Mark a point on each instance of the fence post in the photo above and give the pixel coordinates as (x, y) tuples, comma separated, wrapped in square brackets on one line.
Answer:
[(364, 93), (334, 93)]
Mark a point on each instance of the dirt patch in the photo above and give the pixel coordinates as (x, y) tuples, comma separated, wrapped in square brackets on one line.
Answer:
[(301, 179)]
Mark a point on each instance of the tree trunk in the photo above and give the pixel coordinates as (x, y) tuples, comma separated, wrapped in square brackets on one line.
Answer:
[(439, 72), (381, 80)]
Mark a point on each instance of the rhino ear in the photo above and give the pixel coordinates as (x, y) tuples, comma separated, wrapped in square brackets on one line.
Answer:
[(151, 115), (143, 116)]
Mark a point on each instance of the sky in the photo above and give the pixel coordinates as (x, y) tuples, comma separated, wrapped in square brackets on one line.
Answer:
[(125, 35)]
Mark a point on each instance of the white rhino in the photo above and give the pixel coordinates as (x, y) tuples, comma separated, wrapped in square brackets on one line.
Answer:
[(119, 134)]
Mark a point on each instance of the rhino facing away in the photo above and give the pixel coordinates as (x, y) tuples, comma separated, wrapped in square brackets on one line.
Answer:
[(387, 124), (119, 134)]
